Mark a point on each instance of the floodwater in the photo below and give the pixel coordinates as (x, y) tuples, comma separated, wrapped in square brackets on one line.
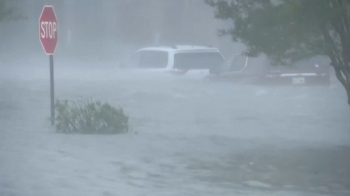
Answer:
[(190, 136)]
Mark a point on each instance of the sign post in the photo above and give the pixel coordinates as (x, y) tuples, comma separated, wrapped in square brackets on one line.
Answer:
[(52, 91), (48, 39)]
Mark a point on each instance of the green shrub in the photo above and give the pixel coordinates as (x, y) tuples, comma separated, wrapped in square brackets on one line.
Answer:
[(88, 116)]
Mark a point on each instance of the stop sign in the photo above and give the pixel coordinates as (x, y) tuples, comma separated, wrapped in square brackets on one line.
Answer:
[(48, 29)]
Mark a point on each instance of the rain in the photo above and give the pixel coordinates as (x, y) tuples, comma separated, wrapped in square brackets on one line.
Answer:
[(189, 134)]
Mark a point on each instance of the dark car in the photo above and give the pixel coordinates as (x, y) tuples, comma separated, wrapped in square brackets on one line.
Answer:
[(242, 69)]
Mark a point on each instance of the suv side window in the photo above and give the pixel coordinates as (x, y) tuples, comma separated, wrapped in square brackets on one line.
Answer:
[(198, 60)]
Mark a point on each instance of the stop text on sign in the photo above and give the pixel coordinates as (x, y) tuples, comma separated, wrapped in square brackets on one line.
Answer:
[(48, 29)]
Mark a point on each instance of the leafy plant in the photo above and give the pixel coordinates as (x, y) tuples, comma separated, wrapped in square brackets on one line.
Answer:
[(88, 116)]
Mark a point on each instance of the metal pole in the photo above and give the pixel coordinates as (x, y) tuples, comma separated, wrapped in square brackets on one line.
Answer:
[(52, 92)]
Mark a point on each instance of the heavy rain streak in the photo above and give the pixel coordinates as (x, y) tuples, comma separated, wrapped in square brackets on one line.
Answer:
[(173, 98)]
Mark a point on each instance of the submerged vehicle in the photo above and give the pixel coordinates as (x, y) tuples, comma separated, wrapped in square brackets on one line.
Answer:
[(177, 59), (242, 69)]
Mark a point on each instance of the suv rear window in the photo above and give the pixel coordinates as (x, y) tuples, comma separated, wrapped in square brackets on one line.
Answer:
[(198, 60), (149, 59)]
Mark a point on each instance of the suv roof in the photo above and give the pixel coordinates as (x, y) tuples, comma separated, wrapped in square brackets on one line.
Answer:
[(182, 48)]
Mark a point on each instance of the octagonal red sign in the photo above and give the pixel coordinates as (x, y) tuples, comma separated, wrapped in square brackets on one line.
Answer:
[(48, 29)]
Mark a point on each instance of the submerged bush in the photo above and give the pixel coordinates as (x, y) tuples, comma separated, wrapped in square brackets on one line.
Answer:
[(88, 116)]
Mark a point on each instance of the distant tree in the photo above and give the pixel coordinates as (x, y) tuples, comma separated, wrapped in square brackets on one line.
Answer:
[(3, 11), (9, 11), (291, 30)]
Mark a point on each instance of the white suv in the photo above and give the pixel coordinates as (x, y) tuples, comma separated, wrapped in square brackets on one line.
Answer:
[(177, 59)]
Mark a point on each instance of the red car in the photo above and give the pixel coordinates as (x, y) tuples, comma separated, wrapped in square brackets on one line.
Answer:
[(242, 69)]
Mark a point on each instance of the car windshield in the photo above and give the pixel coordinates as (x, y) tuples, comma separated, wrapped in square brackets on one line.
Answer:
[(237, 63), (149, 59), (174, 97)]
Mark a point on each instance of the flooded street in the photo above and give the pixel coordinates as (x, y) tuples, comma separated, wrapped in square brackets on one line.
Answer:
[(192, 77), (190, 136)]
